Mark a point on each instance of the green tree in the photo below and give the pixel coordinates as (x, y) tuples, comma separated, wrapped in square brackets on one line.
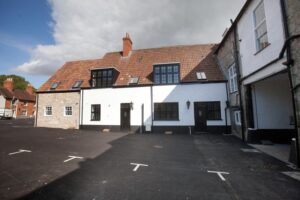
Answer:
[(19, 81)]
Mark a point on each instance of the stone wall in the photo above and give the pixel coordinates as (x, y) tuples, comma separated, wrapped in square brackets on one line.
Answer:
[(225, 58), (293, 15), (58, 101)]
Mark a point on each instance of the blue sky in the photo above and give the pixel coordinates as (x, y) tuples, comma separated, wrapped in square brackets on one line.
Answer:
[(38, 36), (24, 24)]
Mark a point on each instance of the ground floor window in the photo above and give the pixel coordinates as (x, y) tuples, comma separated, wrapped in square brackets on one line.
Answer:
[(213, 110), (68, 111), (237, 117), (95, 112), (48, 111), (166, 111), (24, 112)]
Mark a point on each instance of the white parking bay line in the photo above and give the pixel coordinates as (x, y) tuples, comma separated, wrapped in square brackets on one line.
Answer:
[(219, 174), (20, 151), (137, 165), (72, 158)]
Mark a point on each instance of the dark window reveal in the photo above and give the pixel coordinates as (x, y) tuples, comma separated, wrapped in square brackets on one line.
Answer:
[(166, 74), (95, 112), (102, 78), (166, 111), (213, 110)]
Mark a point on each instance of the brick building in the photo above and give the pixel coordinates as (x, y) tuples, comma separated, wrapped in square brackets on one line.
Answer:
[(21, 103)]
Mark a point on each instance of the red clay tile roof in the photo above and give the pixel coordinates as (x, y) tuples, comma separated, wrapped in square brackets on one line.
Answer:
[(18, 94), (139, 63)]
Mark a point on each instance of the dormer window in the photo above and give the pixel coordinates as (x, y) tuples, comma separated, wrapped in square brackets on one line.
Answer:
[(54, 86), (102, 78), (77, 84), (166, 73)]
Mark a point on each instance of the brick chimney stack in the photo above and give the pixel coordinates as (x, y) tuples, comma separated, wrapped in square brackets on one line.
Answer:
[(9, 84), (127, 45), (29, 89)]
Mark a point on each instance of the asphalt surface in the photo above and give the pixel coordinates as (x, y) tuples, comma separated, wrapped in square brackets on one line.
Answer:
[(174, 166)]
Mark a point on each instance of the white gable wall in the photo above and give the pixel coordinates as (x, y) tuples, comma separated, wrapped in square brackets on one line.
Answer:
[(251, 60)]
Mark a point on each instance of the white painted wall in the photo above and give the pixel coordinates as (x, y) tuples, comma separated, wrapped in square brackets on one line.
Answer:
[(250, 59), (272, 102), (193, 93), (2, 102), (111, 98)]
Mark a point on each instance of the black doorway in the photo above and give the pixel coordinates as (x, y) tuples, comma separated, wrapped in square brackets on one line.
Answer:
[(125, 116), (200, 116)]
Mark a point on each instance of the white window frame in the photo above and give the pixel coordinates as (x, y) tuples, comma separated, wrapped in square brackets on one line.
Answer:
[(232, 79), (65, 111), (237, 117), (258, 25), (46, 111)]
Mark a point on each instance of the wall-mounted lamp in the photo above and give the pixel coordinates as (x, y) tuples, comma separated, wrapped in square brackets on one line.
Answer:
[(188, 103), (131, 105)]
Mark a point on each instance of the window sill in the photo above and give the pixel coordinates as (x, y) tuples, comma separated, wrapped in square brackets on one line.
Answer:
[(233, 92), (159, 120), (95, 120), (262, 49), (214, 119)]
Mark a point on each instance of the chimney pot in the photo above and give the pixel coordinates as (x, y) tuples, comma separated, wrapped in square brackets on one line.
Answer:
[(9, 84), (127, 45), (29, 89)]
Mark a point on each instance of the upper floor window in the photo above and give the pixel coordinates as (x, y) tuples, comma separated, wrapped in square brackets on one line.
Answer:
[(77, 84), (166, 74), (232, 78), (260, 25), (102, 78), (54, 86)]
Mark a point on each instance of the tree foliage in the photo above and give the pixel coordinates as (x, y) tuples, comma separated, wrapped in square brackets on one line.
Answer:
[(19, 81)]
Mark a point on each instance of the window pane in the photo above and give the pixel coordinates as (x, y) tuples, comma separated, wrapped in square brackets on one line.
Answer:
[(163, 70), (175, 68), (169, 69), (156, 80), (176, 78), (170, 78), (163, 78), (166, 111), (259, 14), (157, 70)]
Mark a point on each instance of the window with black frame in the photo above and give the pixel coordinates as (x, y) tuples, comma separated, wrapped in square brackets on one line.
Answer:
[(166, 73), (102, 78), (166, 111), (213, 110), (95, 112)]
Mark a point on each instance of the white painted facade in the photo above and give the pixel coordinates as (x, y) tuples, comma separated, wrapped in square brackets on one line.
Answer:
[(111, 99), (2, 101), (272, 103), (251, 59)]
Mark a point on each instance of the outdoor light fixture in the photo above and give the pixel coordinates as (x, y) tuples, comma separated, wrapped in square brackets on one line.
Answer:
[(188, 103), (131, 105)]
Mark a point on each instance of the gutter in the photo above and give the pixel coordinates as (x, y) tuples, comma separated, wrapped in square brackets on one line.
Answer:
[(289, 65), (36, 109)]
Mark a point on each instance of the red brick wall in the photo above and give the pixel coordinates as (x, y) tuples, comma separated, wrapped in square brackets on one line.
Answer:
[(7, 103), (29, 108)]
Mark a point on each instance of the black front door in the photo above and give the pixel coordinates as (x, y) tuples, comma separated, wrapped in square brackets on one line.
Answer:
[(125, 116), (200, 116)]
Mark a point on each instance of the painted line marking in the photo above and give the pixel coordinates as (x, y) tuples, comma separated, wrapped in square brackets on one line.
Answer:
[(219, 174), (72, 158), (137, 165), (20, 151)]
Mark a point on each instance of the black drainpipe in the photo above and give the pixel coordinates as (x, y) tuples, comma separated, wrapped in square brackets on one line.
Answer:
[(152, 113), (288, 64), (237, 64)]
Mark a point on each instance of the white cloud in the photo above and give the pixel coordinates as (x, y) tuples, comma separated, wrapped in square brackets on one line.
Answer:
[(88, 29)]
